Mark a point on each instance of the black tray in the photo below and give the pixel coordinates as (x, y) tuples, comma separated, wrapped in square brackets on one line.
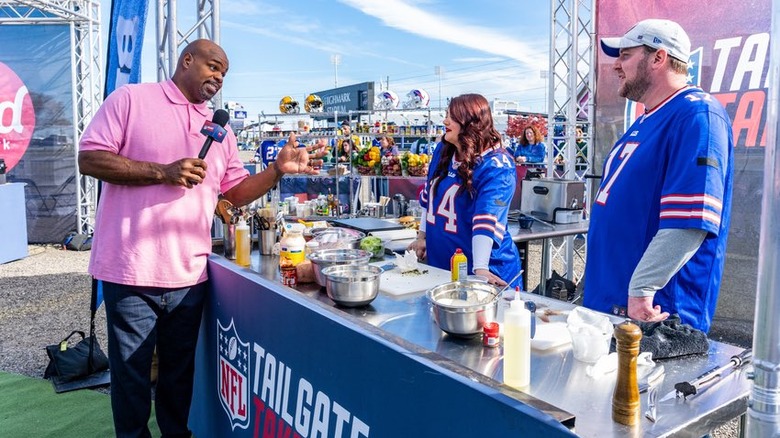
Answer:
[(367, 224)]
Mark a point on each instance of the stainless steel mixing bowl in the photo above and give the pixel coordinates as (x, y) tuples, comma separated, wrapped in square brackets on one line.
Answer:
[(461, 308), (352, 285), (325, 258), (337, 237)]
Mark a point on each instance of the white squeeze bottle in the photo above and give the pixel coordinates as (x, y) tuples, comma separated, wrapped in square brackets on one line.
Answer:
[(243, 243), (517, 344)]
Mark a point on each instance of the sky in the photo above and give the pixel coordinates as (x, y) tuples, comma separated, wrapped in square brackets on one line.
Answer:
[(497, 48)]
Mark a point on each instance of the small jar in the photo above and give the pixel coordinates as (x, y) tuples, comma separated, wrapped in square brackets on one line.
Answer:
[(289, 276), (311, 247), (490, 334)]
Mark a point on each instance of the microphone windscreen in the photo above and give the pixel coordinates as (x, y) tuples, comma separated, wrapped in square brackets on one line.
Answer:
[(221, 117)]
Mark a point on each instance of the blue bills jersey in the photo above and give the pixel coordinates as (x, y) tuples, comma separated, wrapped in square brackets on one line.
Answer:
[(453, 218), (673, 168)]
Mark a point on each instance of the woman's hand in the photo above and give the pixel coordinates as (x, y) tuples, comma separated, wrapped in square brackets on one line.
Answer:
[(491, 278), (418, 246)]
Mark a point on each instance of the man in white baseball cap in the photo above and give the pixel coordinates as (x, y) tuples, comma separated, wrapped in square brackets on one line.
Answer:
[(655, 33), (665, 197)]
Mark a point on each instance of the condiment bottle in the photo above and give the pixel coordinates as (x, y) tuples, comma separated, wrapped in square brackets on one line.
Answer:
[(459, 266), (243, 243), (292, 245), (517, 344)]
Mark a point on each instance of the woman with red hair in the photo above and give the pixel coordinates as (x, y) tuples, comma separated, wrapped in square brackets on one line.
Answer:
[(466, 198), (531, 149)]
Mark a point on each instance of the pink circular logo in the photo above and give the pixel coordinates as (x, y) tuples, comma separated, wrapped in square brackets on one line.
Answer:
[(17, 117)]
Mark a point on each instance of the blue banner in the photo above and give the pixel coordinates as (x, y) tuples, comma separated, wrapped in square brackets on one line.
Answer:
[(125, 40)]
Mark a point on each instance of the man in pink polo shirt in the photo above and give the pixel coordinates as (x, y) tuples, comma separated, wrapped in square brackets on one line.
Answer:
[(152, 233)]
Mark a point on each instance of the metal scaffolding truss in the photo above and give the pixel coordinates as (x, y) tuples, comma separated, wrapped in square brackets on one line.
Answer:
[(570, 97), (170, 39), (83, 17)]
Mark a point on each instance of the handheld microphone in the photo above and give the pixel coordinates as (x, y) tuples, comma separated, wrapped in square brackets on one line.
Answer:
[(214, 130)]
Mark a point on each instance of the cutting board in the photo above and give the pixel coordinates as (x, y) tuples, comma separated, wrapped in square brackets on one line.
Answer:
[(389, 235), (395, 284), (550, 335)]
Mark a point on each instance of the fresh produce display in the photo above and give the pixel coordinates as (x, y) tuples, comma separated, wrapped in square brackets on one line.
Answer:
[(373, 245), (367, 161), (391, 165), (415, 164)]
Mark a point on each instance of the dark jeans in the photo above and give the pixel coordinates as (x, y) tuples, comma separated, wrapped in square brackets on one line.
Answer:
[(140, 318)]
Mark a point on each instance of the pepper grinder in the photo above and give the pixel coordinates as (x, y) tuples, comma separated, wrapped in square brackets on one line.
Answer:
[(625, 400)]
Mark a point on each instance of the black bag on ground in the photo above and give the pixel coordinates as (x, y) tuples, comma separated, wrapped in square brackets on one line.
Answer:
[(72, 362), (558, 287), (77, 242)]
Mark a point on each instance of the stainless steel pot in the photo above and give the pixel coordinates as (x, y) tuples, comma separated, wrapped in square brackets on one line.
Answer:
[(461, 308)]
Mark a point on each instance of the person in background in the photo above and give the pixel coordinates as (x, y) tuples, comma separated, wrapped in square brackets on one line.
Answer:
[(387, 146), (660, 220), (348, 144), (152, 232), (582, 147), (471, 181), (531, 149)]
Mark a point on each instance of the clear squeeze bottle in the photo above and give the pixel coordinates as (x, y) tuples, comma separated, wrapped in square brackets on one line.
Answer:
[(459, 266), (243, 244), (517, 344)]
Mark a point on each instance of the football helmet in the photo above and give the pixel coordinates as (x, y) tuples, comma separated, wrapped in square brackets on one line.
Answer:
[(386, 100), (417, 98), (313, 104), (288, 105)]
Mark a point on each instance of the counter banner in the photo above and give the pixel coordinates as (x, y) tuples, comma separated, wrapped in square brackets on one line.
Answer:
[(125, 40)]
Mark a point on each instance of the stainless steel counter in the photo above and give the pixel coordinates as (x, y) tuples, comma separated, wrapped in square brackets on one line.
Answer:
[(557, 378)]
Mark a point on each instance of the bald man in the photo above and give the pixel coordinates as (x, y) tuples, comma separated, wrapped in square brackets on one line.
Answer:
[(152, 232)]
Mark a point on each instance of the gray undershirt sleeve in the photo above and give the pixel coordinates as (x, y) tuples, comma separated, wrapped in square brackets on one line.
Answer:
[(670, 249)]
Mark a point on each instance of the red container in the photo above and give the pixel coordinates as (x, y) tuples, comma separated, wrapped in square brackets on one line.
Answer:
[(490, 334)]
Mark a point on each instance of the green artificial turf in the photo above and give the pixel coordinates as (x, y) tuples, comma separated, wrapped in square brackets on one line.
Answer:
[(30, 408)]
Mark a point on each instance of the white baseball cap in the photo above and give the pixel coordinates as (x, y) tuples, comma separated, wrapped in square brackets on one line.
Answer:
[(655, 33)]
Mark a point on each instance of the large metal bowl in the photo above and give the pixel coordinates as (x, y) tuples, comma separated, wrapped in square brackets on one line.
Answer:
[(352, 285), (326, 258), (337, 237), (461, 308)]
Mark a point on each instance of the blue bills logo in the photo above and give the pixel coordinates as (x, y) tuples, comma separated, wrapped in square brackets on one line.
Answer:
[(233, 375), (635, 109)]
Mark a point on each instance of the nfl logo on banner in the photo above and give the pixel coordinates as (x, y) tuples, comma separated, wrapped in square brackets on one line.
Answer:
[(233, 375)]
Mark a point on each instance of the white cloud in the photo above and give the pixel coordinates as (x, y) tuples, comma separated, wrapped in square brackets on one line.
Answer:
[(479, 59), (402, 15)]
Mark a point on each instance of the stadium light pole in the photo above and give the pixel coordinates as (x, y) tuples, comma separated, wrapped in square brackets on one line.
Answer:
[(439, 71), (335, 59)]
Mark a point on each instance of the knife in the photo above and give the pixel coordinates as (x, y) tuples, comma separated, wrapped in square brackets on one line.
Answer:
[(684, 389)]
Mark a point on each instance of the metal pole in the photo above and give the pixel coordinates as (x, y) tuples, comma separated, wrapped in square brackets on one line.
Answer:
[(336, 60), (763, 415)]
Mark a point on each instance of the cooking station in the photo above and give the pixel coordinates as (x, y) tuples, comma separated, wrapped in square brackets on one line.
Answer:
[(273, 360)]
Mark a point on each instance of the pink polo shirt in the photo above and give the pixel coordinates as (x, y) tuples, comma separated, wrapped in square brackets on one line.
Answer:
[(157, 235)]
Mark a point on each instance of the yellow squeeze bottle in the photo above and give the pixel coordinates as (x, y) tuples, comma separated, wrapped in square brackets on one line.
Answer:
[(458, 266), (242, 243), (517, 344)]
